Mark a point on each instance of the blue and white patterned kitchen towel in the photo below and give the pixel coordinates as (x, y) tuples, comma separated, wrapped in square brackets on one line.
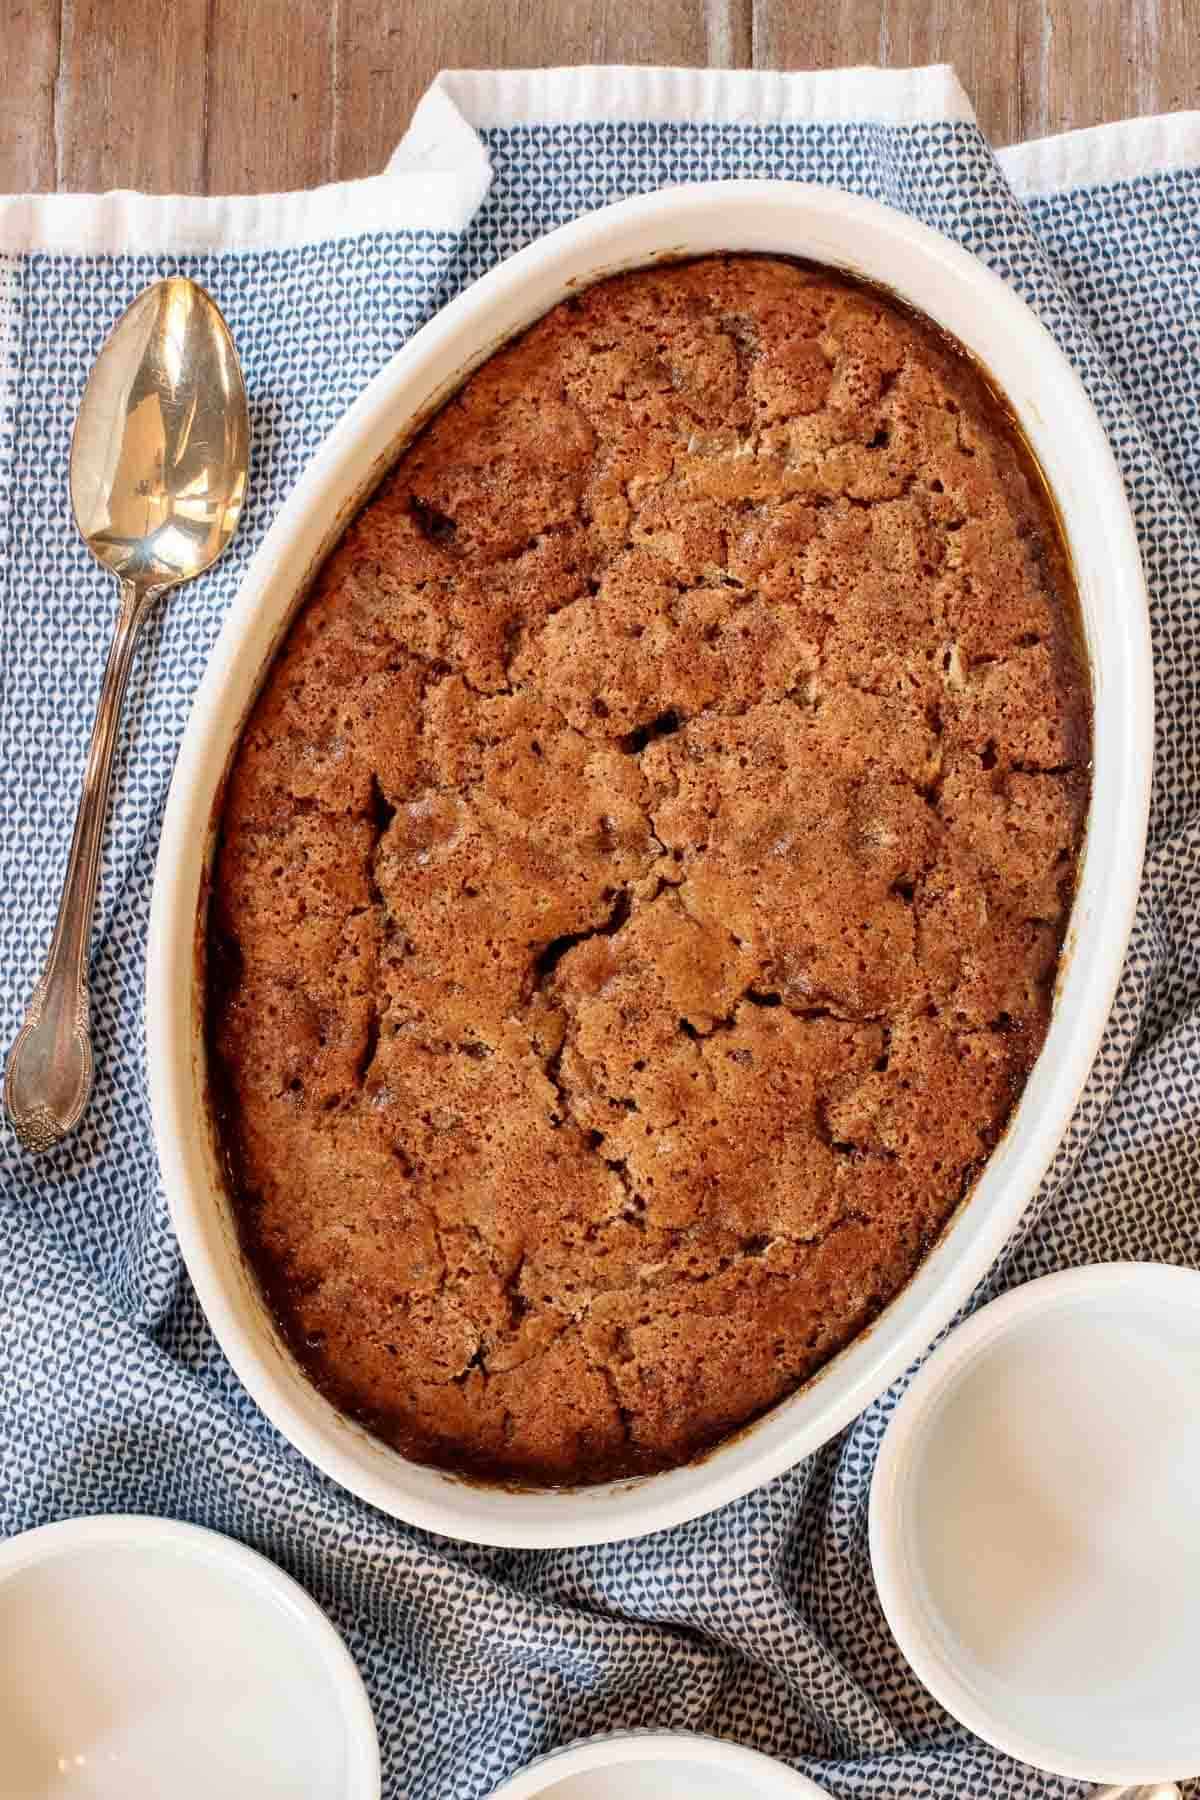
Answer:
[(760, 1622)]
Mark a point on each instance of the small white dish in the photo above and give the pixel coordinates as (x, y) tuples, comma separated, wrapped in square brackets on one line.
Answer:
[(1035, 1523), (139, 1657), (657, 1765)]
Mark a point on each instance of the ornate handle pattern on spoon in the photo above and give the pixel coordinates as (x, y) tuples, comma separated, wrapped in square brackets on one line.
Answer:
[(49, 1075)]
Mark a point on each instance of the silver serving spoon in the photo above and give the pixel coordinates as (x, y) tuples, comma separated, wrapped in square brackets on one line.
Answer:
[(158, 475)]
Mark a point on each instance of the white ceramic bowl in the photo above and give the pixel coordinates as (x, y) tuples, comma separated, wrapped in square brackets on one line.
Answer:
[(657, 1765), (956, 290), (139, 1657), (1035, 1523)]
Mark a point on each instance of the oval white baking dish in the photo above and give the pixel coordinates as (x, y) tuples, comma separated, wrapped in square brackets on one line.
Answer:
[(953, 288)]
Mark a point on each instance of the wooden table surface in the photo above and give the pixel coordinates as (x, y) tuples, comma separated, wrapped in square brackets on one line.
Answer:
[(229, 96)]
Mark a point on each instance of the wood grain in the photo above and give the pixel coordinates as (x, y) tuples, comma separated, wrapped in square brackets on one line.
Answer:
[(272, 94), (1114, 61), (389, 53), (1030, 67), (227, 96), (28, 153), (981, 41), (130, 95)]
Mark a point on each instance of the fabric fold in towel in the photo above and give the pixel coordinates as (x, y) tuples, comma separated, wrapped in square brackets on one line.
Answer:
[(760, 1622)]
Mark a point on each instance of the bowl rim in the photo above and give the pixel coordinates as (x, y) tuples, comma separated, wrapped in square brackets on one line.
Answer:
[(785, 218), (614, 1749), (103, 1533), (898, 1458)]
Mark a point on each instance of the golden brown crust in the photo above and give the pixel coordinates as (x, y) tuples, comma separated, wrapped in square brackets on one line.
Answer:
[(643, 874)]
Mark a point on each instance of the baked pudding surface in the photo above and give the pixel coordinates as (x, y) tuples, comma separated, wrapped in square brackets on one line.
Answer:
[(642, 878)]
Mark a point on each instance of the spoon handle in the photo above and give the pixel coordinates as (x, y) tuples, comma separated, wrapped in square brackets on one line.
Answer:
[(48, 1080)]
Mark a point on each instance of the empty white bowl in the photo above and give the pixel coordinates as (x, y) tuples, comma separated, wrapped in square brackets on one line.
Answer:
[(657, 1765), (140, 1658), (1035, 1523)]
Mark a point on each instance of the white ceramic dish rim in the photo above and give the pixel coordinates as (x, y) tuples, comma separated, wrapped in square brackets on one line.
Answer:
[(1057, 417), (618, 1749), (109, 1531), (902, 1442)]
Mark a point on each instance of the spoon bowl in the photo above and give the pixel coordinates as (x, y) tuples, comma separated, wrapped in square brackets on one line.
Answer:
[(159, 463), (160, 454)]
